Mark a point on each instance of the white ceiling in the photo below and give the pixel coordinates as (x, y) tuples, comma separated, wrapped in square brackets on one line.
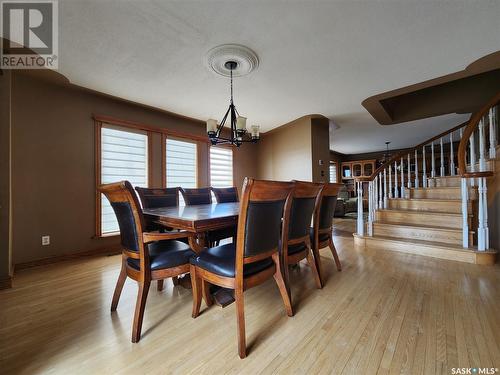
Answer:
[(315, 56)]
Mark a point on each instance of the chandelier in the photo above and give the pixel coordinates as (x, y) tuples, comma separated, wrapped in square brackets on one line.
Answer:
[(238, 124)]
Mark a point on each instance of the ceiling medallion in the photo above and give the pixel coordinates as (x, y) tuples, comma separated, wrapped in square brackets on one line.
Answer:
[(246, 60)]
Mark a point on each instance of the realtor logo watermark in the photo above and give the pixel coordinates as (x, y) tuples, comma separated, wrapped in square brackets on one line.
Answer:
[(29, 34)]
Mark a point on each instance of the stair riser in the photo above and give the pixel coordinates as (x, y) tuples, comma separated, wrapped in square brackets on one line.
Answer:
[(430, 251), (454, 207), (419, 218), (447, 182), (437, 235), (440, 193)]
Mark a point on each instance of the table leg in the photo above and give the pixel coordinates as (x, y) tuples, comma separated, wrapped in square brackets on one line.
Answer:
[(198, 242)]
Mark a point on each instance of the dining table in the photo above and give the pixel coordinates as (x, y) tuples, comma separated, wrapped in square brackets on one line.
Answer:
[(199, 219)]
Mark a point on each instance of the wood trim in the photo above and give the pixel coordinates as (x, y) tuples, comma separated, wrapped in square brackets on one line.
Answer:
[(150, 158), (108, 250), (163, 160), (97, 172), (145, 127), (6, 282)]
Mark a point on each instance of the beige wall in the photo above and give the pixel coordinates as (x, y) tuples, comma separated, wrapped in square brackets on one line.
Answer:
[(53, 163), (5, 180), (285, 153)]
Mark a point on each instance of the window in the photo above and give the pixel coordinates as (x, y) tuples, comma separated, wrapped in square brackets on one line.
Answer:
[(221, 167), (181, 164), (124, 156), (333, 172)]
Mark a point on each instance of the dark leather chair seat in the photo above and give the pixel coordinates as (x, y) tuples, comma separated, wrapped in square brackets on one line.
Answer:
[(165, 254), (297, 248), (322, 236), (222, 259)]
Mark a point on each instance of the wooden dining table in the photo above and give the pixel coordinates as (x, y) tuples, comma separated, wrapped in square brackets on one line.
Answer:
[(199, 219)]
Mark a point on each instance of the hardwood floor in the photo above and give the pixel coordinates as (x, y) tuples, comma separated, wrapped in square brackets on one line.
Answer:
[(385, 313)]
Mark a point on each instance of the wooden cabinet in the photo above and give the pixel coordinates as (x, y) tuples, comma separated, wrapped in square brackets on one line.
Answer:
[(357, 168)]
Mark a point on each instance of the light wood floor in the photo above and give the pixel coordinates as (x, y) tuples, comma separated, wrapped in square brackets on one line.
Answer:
[(385, 313)]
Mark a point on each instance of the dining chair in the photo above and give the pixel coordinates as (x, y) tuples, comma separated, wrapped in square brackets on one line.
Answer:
[(262, 227), (204, 196), (321, 231), (196, 196), (305, 203), (226, 195), (146, 256), (154, 198)]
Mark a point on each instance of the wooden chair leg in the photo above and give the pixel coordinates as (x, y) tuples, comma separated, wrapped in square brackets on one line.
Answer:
[(142, 295), (205, 288), (196, 287), (119, 286), (312, 264), (175, 280), (159, 285), (319, 267), (278, 276), (240, 317), (335, 255)]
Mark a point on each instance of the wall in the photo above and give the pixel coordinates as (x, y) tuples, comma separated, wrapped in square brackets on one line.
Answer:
[(285, 153), (320, 149), (494, 205), (5, 179), (53, 163)]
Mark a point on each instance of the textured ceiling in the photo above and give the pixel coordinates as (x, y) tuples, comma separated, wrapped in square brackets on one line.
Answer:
[(315, 56)]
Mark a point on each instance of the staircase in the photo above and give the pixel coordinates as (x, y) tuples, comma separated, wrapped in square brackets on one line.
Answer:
[(441, 217), (428, 221)]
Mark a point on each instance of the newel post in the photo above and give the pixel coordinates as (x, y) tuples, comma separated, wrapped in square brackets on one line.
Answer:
[(465, 213), (360, 222)]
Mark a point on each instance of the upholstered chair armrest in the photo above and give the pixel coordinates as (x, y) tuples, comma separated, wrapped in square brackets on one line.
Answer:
[(156, 236)]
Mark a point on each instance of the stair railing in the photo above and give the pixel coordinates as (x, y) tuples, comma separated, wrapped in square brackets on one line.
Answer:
[(482, 129)]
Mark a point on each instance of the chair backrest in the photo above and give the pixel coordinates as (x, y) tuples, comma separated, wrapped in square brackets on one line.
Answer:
[(306, 198), (128, 213), (327, 206), (196, 196), (153, 198), (263, 220), (226, 195)]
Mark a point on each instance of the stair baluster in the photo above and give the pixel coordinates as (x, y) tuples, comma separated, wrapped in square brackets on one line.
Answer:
[(424, 169), (409, 173), (482, 147), (493, 132), (472, 156), (481, 230), (371, 210), (441, 171), (385, 188), (402, 179), (433, 161), (417, 182), (396, 192), (452, 156), (390, 182), (360, 221), (380, 200), (465, 213)]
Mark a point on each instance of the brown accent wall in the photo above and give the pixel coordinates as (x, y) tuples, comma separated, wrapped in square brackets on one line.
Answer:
[(53, 163), (5, 179), (285, 153), (320, 149), (494, 205)]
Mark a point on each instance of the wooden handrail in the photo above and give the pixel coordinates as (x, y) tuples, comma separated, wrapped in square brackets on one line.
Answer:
[(471, 127), (406, 152)]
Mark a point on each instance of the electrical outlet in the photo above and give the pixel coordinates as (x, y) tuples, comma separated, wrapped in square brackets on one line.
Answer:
[(45, 240)]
